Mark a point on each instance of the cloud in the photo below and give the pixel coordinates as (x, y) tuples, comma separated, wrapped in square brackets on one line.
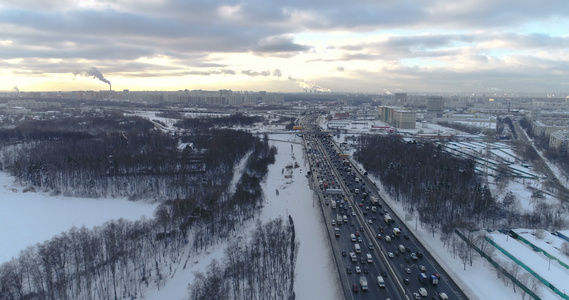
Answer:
[(218, 38)]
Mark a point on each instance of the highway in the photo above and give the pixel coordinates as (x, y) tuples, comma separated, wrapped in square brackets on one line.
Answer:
[(336, 179)]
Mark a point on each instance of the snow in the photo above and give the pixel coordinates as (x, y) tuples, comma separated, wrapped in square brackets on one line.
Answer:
[(33, 217), (28, 218), (539, 263)]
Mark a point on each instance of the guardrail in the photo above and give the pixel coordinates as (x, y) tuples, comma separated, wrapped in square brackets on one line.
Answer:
[(496, 265)]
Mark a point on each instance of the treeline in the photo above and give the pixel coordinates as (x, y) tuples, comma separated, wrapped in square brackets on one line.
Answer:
[(261, 268), (461, 127), (121, 259), (444, 190), (120, 157), (219, 121)]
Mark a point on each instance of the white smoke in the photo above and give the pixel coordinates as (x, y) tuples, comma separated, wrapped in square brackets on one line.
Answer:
[(94, 73), (308, 86)]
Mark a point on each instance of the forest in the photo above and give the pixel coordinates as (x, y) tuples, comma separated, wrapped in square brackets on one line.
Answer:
[(445, 190), (113, 155)]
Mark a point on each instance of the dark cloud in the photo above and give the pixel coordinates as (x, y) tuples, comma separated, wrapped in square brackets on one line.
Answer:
[(56, 36)]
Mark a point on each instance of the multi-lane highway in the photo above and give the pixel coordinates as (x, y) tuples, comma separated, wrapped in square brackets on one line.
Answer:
[(354, 212)]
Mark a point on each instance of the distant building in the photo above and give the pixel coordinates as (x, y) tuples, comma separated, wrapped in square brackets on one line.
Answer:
[(400, 97), (435, 108), (398, 117), (559, 140)]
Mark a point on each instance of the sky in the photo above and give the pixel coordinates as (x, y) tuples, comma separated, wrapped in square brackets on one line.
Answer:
[(285, 46)]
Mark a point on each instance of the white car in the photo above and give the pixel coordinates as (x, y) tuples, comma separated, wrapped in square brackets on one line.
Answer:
[(358, 269), (390, 254), (423, 292)]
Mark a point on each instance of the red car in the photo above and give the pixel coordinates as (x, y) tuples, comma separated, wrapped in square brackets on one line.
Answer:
[(378, 236), (357, 233), (355, 287)]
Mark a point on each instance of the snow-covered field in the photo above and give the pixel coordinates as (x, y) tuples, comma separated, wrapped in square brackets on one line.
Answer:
[(31, 217)]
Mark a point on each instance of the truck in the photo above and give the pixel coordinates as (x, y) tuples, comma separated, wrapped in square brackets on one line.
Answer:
[(373, 200), (363, 283), (433, 279), (380, 282), (353, 257), (357, 248), (334, 191), (339, 219), (422, 278), (388, 219), (396, 231), (333, 204)]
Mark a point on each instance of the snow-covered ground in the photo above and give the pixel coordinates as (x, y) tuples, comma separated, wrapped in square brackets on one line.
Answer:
[(31, 217)]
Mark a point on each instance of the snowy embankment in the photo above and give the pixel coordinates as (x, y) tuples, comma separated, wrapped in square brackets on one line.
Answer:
[(551, 271), (28, 217), (549, 243), (316, 274)]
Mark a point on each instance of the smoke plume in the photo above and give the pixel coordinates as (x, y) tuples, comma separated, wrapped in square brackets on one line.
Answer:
[(94, 73), (308, 86)]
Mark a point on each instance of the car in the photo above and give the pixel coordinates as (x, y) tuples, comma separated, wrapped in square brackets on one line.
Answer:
[(353, 213), (390, 254), (362, 260), (349, 270), (406, 280), (358, 269), (355, 288), (407, 258), (416, 296), (366, 270), (414, 256), (365, 212), (379, 236), (361, 204), (333, 222), (422, 268), (423, 292), (371, 247), (437, 275), (408, 249), (384, 273), (343, 252), (406, 237), (396, 253), (360, 240), (357, 233), (370, 221), (420, 254), (407, 270)]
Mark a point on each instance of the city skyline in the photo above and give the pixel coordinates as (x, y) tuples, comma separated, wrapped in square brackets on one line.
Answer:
[(362, 46)]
